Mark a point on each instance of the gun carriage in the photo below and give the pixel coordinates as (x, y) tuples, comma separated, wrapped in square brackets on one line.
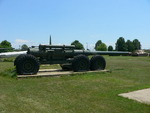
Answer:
[(67, 56)]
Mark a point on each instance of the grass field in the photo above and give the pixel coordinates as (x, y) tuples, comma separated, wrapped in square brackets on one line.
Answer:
[(85, 93)]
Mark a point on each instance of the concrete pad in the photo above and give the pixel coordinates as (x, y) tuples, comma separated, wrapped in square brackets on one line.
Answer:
[(142, 96), (56, 72)]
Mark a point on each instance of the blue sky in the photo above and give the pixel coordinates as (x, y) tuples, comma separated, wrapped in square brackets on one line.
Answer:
[(33, 21)]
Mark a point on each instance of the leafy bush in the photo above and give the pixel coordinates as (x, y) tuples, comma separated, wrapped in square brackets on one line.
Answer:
[(9, 73), (102, 47)]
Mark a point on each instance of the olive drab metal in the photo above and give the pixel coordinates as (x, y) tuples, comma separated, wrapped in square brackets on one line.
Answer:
[(66, 55)]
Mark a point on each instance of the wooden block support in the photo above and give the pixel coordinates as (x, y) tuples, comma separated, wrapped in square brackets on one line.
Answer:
[(56, 72)]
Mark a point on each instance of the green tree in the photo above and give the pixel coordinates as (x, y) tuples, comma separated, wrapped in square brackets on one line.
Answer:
[(102, 47), (137, 44), (130, 46), (99, 42), (5, 44), (121, 45), (24, 47), (110, 48), (77, 44)]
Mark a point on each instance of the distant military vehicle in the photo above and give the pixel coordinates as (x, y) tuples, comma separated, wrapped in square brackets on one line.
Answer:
[(66, 55)]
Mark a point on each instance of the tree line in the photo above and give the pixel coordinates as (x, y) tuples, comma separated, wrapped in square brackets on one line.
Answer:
[(5, 46), (121, 45)]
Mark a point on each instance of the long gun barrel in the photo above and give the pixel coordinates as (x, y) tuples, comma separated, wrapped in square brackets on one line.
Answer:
[(12, 54), (111, 53), (68, 51)]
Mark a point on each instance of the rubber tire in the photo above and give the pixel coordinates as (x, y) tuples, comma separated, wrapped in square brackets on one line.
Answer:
[(66, 67), (16, 60), (97, 62), (27, 64), (80, 63)]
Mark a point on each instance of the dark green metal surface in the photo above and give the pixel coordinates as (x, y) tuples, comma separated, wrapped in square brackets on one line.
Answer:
[(66, 55), (59, 54)]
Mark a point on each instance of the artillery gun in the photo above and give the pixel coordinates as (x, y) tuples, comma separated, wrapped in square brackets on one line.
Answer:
[(66, 55)]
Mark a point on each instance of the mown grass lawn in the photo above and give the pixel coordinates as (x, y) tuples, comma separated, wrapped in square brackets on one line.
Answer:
[(85, 93)]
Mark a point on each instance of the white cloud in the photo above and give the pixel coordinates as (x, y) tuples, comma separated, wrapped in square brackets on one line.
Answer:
[(21, 41)]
